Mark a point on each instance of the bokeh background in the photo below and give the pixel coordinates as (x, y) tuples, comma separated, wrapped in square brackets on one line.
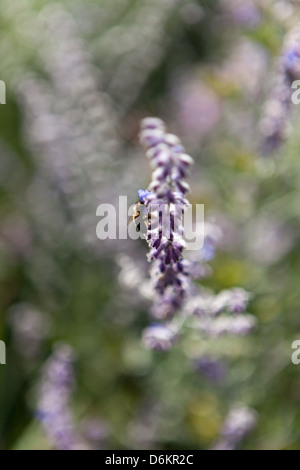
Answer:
[(80, 75)]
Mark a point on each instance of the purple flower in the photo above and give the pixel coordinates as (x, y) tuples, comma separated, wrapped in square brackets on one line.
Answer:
[(166, 203), (175, 297), (142, 195), (208, 251), (233, 300), (240, 325), (159, 337), (290, 57)]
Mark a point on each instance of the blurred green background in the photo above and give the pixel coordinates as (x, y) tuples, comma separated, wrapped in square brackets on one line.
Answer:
[(80, 75)]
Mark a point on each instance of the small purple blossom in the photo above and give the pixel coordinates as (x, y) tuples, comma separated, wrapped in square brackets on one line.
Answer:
[(212, 237), (291, 58), (143, 194), (233, 300), (213, 369), (159, 337), (239, 325), (208, 251)]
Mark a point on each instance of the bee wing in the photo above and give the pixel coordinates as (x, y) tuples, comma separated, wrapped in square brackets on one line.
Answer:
[(136, 213)]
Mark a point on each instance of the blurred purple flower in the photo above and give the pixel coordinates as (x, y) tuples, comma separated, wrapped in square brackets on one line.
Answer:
[(53, 402), (239, 422), (197, 108), (240, 325), (213, 369), (245, 13), (277, 109), (159, 337)]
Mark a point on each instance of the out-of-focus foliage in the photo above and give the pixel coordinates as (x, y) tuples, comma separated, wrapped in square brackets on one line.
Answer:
[(80, 75)]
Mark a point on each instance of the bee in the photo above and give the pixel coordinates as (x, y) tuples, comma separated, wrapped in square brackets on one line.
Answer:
[(140, 215)]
